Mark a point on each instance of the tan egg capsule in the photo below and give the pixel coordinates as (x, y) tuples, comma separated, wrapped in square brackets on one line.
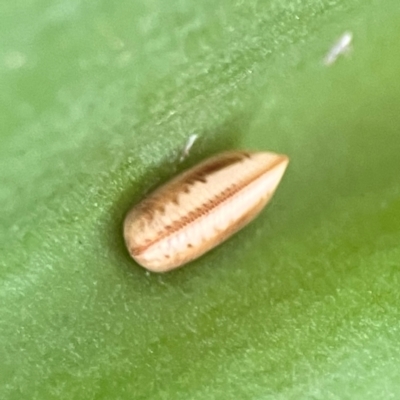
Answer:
[(201, 207)]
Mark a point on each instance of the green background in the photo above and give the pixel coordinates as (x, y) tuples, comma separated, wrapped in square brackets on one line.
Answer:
[(98, 99)]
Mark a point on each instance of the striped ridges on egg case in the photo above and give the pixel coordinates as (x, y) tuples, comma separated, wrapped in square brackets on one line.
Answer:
[(201, 207)]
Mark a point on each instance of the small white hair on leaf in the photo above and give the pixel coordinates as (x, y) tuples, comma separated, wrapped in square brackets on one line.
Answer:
[(341, 46), (188, 146)]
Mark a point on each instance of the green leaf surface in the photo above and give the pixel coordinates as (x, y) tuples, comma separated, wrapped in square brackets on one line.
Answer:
[(97, 102)]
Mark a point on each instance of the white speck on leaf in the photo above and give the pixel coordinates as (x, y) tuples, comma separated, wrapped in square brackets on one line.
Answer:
[(188, 146), (341, 46)]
